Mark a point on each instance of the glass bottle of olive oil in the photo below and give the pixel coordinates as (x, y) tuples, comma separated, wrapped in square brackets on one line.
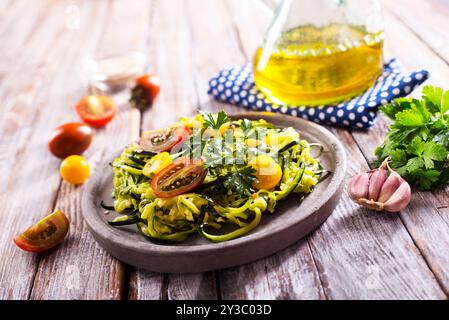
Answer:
[(318, 63)]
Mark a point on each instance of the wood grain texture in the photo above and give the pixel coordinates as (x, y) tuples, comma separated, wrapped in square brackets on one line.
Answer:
[(34, 106), (399, 40), (146, 285), (356, 254), (359, 289), (428, 20), (170, 54), (291, 273), (366, 255), (81, 269), (426, 222)]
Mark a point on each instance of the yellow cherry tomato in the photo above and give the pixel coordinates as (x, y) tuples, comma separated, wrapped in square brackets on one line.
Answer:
[(157, 163), (75, 169), (268, 172), (252, 143), (224, 127)]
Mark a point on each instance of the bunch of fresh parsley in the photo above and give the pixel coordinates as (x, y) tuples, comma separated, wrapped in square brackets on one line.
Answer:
[(418, 140)]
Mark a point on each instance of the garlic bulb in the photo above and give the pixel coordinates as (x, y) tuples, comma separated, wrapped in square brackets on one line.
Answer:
[(381, 189)]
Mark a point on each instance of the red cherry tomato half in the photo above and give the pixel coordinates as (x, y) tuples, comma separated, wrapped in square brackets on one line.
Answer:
[(70, 139), (163, 139), (180, 177), (44, 235), (96, 111), (146, 90)]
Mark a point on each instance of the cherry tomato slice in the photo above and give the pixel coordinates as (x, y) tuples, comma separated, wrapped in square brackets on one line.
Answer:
[(69, 139), (44, 235), (163, 139), (180, 177), (146, 90), (96, 111)]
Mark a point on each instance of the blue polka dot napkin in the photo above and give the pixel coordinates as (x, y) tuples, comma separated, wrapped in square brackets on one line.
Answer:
[(236, 86)]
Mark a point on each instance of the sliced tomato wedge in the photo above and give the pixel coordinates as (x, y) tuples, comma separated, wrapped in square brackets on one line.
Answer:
[(96, 110), (163, 139), (180, 177), (44, 235)]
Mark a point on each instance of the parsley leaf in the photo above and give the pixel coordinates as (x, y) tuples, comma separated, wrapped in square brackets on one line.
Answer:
[(240, 182), (437, 100), (414, 164), (398, 157), (427, 152), (214, 122), (426, 179), (418, 140), (432, 96), (246, 125), (396, 106), (416, 116), (435, 151), (416, 147)]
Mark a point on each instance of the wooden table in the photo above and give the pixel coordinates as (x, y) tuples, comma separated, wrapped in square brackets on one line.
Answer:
[(356, 254)]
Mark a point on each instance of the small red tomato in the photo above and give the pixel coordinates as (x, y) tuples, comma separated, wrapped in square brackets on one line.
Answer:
[(163, 139), (44, 235), (180, 177), (145, 91), (96, 111), (69, 139)]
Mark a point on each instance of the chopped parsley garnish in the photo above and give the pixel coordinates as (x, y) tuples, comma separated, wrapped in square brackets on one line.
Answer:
[(214, 122), (240, 182), (237, 181)]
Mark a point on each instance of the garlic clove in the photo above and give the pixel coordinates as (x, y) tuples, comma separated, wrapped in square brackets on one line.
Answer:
[(376, 181), (392, 183), (371, 204), (358, 186), (381, 189), (400, 198)]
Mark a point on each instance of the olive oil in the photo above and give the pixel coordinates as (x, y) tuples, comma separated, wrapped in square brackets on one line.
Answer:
[(315, 66)]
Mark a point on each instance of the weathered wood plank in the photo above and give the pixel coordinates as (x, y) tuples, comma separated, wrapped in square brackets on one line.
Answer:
[(429, 20), (195, 286), (146, 285), (367, 255), (170, 54), (427, 223), (347, 242), (291, 273), (25, 128), (358, 254), (81, 269)]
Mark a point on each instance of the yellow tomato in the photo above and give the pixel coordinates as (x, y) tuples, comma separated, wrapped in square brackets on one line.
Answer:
[(75, 169), (268, 172), (157, 163), (271, 139), (224, 127), (211, 133), (252, 143)]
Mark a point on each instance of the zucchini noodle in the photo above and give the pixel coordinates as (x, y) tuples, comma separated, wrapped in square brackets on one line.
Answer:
[(214, 204)]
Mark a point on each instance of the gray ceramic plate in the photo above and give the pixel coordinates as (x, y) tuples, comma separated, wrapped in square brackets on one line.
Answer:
[(292, 220)]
